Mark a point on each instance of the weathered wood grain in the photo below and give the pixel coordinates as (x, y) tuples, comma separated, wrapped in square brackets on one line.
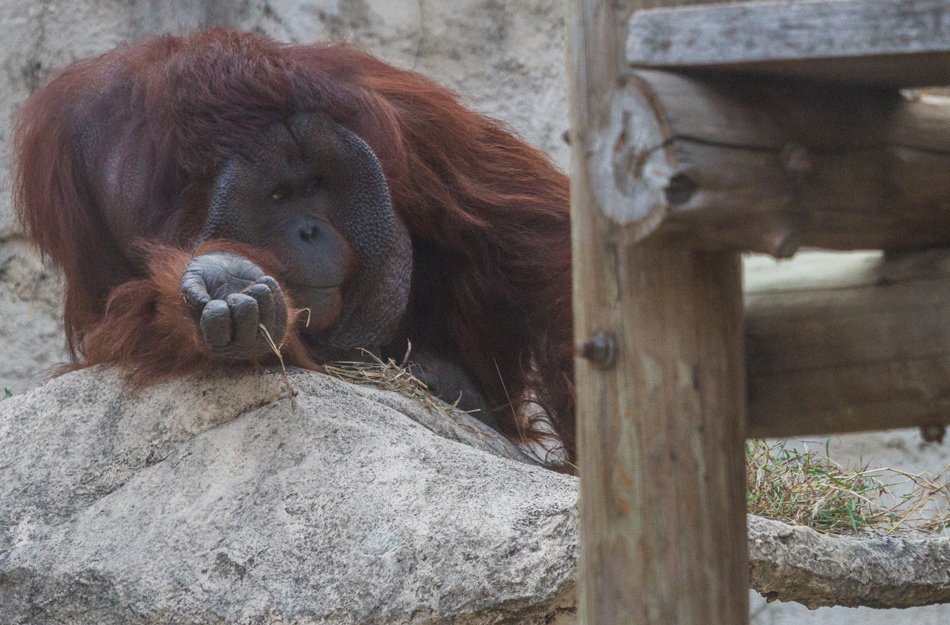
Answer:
[(847, 343), (661, 429), (771, 165), (892, 43)]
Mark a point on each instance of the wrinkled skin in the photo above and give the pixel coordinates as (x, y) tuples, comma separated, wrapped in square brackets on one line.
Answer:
[(305, 184), (315, 195), (238, 306)]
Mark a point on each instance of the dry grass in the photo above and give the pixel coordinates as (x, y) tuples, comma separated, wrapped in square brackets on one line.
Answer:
[(802, 487), (392, 376), (291, 391), (388, 375)]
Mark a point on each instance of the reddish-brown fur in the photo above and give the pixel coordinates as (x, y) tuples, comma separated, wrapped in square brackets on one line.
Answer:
[(487, 213)]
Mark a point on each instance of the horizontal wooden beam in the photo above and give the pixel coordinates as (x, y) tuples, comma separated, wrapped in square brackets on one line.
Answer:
[(773, 165), (892, 43), (847, 342)]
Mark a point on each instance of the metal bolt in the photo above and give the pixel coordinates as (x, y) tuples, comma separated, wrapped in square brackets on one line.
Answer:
[(600, 350), (784, 243)]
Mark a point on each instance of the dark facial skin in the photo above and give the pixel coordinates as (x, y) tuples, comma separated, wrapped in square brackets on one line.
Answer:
[(293, 194)]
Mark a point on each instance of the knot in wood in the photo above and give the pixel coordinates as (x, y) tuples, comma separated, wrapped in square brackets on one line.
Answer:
[(680, 189), (600, 350)]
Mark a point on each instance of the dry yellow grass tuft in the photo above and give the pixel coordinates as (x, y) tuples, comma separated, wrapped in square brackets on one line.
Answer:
[(387, 375), (804, 488)]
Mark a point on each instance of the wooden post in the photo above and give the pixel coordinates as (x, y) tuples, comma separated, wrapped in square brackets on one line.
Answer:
[(661, 395)]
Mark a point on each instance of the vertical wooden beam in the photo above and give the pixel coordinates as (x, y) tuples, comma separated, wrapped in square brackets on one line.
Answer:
[(660, 397)]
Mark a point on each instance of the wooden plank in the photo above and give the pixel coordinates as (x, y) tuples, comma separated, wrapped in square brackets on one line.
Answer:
[(895, 43), (769, 165), (661, 400), (846, 343)]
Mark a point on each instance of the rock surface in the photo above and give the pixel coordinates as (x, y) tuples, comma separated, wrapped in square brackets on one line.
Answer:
[(799, 564), (213, 501)]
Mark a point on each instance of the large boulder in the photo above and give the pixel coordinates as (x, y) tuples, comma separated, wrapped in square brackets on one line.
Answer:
[(215, 500), (218, 500)]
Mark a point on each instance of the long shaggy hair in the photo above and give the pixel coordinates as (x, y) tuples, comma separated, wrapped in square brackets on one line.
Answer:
[(487, 213)]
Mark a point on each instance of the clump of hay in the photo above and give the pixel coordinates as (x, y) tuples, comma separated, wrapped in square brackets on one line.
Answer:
[(388, 375), (801, 487)]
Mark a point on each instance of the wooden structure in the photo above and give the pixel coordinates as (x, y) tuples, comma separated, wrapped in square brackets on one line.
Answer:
[(847, 344), (699, 133)]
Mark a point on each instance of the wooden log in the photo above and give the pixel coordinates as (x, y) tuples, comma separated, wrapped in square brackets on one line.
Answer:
[(663, 536), (847, 342), (771, 165), (891, 43)]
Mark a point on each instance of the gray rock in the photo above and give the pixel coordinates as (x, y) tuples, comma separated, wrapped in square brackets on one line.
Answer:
[(504, 58), (213, 501), (799, 564)]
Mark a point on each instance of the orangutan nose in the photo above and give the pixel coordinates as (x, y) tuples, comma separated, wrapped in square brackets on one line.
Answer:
[(309, 232)]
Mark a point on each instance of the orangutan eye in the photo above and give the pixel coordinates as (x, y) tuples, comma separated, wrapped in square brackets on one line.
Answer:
[(312, 187)]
